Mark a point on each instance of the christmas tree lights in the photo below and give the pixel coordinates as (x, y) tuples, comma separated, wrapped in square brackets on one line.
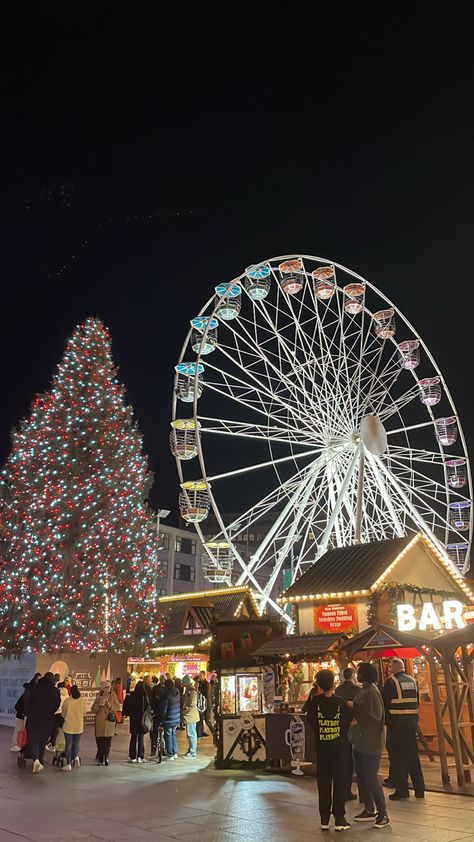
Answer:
[(78, 544)]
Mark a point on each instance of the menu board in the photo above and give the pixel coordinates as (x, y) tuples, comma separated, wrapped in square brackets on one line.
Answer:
[(336, 618)]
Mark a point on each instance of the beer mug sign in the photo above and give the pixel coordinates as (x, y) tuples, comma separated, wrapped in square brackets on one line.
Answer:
[(295, 739)]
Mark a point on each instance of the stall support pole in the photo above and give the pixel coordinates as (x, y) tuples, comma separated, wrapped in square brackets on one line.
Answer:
[(449, 679), (439, 721)]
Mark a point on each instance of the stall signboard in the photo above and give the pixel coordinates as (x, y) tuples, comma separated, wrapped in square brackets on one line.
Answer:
[(431, 617), (336, 618), (14, 672)]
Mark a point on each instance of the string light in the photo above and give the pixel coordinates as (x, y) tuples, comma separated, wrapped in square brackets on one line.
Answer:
[(79, 541)]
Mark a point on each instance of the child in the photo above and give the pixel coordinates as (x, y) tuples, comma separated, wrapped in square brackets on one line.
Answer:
[(330, 717)]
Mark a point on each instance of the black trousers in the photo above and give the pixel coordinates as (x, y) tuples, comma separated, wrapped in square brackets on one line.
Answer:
[(137, 745), (404, 757), (37, 737), (349, 768), (332, 781), (103, 747), (154, 735)]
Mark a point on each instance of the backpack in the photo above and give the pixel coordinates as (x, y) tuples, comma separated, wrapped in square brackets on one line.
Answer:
[(201, 703)]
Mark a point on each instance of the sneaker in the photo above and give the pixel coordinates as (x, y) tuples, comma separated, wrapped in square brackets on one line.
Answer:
[(15, 748), (365, 816), (189, 755), (67, 767), (37, 767), (399, 796), (382, 821), (175, 756), (132, 760), (77, 762), (324, 824), (49, 747), (342, 824), (141, 760)]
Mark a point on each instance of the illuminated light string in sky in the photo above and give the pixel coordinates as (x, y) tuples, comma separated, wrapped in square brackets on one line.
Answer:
[(101, 226)]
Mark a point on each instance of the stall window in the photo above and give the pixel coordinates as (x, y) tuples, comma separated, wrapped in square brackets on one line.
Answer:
[(248, 694), (228, 694)]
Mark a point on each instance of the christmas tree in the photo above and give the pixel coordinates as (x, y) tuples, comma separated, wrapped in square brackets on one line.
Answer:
[(78, 546)]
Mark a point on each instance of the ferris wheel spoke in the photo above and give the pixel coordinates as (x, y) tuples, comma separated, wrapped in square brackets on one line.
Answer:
[(242, 398), (398, 526), (407, 494), (410, 427), (295, 388), (435, 487), (267, 464), (418, 455), (266, 397), (408, 397), (251, 430), (302, 492)]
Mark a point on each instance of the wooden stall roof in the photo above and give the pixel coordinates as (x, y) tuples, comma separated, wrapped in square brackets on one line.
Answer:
[(449, 642), (298, 647), (383, 637), (348, 568)]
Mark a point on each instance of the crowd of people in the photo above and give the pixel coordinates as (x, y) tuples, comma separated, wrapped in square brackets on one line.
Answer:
[(50, 715), (349, 729), (349, 724)]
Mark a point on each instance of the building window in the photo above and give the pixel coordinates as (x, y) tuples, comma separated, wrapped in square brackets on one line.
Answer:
[(163, 567), (193, 547), (177, 544), (164, 541), (251, 537), (161, 591), (184, 572)]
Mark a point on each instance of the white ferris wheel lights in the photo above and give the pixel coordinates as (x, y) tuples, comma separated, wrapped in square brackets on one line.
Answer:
[(460, 515), (385, 323), (298, 397), (292, 276), (430, 390), (457, 472), (217, 567), (446, 430), (410, 354)]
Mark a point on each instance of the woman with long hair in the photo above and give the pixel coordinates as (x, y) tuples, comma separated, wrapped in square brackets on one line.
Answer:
[(105, 708), (74, 709)]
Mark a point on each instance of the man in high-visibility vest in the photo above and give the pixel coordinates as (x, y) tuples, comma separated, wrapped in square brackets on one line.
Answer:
[(401, 699)]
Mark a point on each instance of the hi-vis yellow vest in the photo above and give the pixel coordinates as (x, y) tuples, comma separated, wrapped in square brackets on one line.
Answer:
[(407, 696)]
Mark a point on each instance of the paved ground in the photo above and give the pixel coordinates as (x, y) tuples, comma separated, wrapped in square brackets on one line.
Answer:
[(190, 800)]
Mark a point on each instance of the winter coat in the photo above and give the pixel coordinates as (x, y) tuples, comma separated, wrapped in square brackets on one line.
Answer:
[(73, 712), (157, 701), (43, 702), (136, 704), (171, 707), (103, 727), (190, 711), (367, 736)]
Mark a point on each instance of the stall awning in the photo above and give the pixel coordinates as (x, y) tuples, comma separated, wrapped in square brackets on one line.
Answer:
[(182, 643), (384, 639), (296, 647)]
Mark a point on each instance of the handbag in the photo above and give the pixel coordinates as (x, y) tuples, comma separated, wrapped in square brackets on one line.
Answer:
[(21, 738), (111, 716), (147, 721)]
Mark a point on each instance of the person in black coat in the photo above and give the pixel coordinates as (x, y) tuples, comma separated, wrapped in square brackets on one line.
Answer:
[(157, 702), (43, 702), (171, 717), (134, 707)]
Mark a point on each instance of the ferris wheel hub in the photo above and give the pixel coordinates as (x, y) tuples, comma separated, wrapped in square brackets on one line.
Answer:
[(373, 435)]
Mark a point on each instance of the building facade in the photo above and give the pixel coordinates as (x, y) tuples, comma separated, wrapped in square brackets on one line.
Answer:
[(180, 556)]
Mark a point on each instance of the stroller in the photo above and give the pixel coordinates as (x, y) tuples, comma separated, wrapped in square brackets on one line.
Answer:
[(59, 758)]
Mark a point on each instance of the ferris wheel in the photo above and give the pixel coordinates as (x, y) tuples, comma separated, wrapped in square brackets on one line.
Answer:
[(318, 417)]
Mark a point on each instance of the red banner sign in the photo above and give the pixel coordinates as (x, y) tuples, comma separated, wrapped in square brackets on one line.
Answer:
[(335, 618)]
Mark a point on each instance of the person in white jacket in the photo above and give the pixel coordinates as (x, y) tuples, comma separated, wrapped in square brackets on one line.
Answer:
[(73, 710)]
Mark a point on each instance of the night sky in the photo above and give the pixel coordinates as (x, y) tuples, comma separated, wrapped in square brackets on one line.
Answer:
[(152, 153)]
